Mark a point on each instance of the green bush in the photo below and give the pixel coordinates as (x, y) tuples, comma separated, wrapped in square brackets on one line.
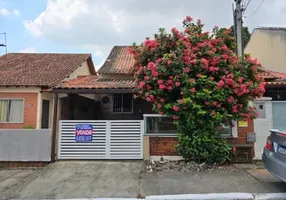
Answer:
[(205, 147), (28, 127), (195, 77)]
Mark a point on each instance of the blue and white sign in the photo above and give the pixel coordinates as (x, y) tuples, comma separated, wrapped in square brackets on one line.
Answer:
[(83, 133)]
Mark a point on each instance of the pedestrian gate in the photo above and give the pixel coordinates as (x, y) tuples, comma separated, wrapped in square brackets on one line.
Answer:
[(108, 139)]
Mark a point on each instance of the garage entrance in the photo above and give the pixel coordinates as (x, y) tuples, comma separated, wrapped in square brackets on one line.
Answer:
[(101, 139)]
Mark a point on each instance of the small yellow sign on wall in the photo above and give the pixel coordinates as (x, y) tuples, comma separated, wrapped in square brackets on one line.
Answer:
[(242, 123)]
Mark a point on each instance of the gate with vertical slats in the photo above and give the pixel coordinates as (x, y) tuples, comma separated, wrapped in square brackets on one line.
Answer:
[(111, 139)]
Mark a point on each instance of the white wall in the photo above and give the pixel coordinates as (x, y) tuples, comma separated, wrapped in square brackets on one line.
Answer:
[(262, 126)]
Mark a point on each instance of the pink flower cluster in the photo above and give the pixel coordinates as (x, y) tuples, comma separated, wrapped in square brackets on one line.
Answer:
[(152, 66), (176, 67), (151, 44)]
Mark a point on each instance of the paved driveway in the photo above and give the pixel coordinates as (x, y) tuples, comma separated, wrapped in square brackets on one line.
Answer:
[(83, 179)]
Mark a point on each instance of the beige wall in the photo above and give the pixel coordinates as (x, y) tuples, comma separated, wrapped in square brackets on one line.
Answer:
[(83, 70), (48, 96), (80, 71), (19, 89), (269, 47), (119, 76)]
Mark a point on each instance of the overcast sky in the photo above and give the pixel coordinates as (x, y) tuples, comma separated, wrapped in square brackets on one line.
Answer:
[(95, 26)]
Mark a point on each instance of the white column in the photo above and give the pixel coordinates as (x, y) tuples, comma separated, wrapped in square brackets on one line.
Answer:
[(262, 124)]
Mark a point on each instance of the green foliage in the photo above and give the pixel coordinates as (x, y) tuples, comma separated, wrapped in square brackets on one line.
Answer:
[(245, 37), (28, 127), (196, 78), (204, 147)]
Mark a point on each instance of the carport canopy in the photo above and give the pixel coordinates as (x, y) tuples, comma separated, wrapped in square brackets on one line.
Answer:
[(91, 84)]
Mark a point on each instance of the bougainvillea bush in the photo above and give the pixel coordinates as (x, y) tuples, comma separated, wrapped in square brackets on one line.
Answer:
[(195, 77)]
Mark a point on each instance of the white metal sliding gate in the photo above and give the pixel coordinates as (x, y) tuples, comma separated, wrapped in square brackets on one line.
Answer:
[(111, 139)]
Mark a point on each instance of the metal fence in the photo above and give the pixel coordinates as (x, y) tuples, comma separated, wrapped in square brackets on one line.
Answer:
[(108, 139), (279, 114)]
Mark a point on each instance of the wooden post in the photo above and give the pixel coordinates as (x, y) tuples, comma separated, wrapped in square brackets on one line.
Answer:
[(54, 127)]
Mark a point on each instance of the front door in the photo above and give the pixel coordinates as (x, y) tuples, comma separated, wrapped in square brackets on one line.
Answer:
[(45, 113)]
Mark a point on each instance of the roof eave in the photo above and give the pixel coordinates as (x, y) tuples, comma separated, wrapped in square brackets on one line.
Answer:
[(92, 90)]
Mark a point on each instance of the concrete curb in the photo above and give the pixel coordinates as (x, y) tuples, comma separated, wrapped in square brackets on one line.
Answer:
[(211, 196), (222, 196), (271, 196)]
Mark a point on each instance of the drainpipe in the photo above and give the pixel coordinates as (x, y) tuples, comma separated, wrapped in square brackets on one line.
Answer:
[(54, 127)]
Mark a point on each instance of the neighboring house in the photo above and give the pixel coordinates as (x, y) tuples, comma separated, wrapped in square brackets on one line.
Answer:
[(104, 100), (26, 81), (271, 108), (268, 45)]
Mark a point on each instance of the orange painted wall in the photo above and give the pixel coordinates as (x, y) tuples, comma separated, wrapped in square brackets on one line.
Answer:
[(30, 110)]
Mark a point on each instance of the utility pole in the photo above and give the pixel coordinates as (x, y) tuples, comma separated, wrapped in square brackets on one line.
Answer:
[(238, 27), (5, 40), (234, 21)]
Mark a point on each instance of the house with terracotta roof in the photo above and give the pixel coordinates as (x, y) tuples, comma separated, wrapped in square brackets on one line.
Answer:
[(129, 127), (271, 108), (26, 82), (94, 115), (268, 45), (105, 96)]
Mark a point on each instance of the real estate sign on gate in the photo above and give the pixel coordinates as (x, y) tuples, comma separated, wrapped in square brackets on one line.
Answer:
[(83, 133)]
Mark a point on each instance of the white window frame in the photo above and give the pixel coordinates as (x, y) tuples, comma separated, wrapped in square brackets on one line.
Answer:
[(23, 109), (112, 102)]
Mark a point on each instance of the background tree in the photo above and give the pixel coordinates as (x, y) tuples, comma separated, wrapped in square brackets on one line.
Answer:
[(245, 37), (196, 78)]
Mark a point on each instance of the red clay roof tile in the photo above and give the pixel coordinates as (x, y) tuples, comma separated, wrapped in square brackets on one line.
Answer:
[(119, 61), (39, 69), (273, 78), (267, 74), (95, 82)]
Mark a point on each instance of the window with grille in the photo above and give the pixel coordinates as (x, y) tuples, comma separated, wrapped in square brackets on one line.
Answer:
[(156, 124), (11, 110), (122, 103)]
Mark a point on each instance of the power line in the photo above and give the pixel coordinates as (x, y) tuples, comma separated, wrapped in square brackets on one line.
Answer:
[(257, 8), (244, 9)]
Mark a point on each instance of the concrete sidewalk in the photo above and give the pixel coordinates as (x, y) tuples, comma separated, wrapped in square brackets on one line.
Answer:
[(106, 179), (163, 183)]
